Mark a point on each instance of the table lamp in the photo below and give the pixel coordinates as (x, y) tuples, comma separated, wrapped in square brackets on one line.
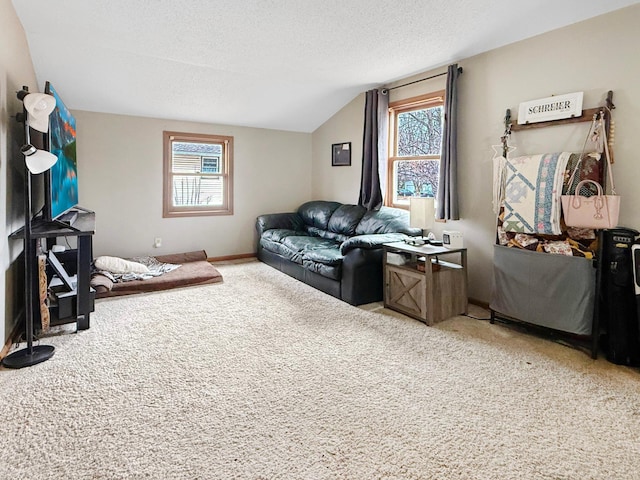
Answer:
[(422, 214)]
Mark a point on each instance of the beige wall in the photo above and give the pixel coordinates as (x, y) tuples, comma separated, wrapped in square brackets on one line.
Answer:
[(592, 56), (16, 70), (341, 184), (120, 178)]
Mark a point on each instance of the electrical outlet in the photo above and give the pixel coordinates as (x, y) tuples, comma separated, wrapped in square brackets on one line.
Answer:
[(157, 242)]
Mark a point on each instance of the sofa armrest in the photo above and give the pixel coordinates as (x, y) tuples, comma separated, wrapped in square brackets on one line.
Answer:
[(287, 221), (371, 241)]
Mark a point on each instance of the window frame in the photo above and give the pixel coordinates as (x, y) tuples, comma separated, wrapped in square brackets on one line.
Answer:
[(397, 107), (226, 173)]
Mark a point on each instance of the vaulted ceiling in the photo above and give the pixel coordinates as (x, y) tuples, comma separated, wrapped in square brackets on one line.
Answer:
[(281, 64)]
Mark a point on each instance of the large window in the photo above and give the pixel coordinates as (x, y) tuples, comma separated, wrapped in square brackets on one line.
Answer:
[(415, 142), (198, 176)]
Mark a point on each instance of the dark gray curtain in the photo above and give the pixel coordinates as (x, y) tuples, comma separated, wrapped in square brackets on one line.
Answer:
[(447, 200), (373, 150)]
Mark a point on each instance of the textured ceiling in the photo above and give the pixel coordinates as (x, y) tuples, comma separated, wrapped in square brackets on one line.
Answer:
[(282, 64)]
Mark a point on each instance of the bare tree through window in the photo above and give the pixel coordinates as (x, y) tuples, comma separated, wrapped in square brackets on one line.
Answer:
[(420, 132), (416, 150)]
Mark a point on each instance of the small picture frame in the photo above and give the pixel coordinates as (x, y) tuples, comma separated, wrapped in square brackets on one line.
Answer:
[(341, 154)]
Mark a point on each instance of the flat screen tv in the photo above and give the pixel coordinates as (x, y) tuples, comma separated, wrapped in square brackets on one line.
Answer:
[(61, 181)]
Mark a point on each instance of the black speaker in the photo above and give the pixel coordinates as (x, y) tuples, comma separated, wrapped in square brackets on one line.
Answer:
[(618, 307), (635, 258)]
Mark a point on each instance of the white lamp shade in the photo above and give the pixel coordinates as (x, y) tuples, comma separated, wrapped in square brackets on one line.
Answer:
[(38, 161), (422, 212), (39, 106)]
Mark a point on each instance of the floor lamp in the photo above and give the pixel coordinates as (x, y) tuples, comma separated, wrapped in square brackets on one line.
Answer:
[(36, 111)]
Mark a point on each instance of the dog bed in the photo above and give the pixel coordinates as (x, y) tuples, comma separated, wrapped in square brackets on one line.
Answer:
[(194, 270)]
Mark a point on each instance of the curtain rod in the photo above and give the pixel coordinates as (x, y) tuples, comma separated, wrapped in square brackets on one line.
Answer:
[(385, 91)]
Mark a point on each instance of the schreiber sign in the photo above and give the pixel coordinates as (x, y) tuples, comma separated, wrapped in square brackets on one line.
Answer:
[(551, 108)]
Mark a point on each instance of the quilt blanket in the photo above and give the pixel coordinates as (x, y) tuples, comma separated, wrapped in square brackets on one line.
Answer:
[(532, 193)]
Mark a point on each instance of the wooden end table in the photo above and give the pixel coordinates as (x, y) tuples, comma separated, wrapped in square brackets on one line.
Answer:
[(419, 283)]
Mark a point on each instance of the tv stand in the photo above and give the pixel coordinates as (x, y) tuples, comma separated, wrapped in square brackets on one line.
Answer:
[(67, 304)]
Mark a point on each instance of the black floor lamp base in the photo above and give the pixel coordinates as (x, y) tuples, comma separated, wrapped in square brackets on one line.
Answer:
[(26, 358)]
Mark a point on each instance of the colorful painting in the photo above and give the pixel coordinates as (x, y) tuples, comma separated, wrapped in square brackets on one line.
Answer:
[(64, 174)]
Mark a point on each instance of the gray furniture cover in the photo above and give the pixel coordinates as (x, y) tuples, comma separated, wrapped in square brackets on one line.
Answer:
[(553, 291)]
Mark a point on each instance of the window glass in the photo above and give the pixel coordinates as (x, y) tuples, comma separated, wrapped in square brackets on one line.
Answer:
[(415, 178), (198, 174), (420, 132), (197, 191), (414, 148)]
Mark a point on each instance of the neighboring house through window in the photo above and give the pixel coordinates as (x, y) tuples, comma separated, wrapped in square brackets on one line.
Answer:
[(210, 164), (415, 143), (198, 174)]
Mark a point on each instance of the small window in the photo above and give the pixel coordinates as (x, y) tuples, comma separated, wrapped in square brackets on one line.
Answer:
[(415, 143), (198, 176)]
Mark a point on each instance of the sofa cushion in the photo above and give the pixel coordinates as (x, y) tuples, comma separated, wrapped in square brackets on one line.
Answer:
[(324, 261), (289, 221), (318, 232), (345, 219), (327, 256), (299, 245), (277, 234), (370, 241), (386, 220), (278, 247), (317, 213)]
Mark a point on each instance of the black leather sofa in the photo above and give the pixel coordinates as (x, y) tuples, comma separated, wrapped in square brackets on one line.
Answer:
[(334, 247)]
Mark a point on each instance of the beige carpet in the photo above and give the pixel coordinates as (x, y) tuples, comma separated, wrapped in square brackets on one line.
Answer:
[(262, 377)]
